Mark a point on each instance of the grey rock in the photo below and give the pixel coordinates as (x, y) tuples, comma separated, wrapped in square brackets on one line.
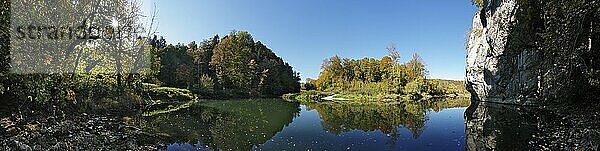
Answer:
[(494, 72), (525, 52)]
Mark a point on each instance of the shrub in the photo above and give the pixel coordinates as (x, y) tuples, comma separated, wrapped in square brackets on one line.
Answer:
[(207, 85), (308, 86), (478, 2), (415, 88), (173, 94)]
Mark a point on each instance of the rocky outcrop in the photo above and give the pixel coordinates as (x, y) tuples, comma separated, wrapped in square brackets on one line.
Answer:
[(528, 52)]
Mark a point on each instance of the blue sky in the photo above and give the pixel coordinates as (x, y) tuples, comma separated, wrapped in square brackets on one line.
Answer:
[(304, 32)]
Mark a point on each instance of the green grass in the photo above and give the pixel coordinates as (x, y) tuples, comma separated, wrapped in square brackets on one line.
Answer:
[(171, 109), (172, 94), (167, 99)]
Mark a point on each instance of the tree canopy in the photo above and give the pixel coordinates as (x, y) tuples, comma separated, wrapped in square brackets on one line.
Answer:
[(375, 76), (233, 66)]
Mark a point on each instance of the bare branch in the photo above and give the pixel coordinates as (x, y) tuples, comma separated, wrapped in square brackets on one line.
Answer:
[(393, 52)]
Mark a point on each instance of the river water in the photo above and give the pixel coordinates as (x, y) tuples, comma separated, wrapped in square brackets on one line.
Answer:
[(273, 124)]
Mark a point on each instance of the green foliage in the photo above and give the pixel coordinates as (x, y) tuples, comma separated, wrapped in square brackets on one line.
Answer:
[(415, 88), (182, 68), (307, 96), (344, 117), (340, 117), (87, 87), (370, 78), (170, 109), (175, 66), (245, 68), (234, 66), (223, 125), (149, 86), (479, 3), (452, 87), (380, 80), (308, 85), (173, 94), (291, 97), (381, 98), (231, 62), (415, 68), (434, 88), (207, 85)]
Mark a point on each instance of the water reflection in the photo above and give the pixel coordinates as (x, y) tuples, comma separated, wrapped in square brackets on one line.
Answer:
[(226, 125), (188, 146), (491, 126), (387, 118), (278, 125), (497, 126)]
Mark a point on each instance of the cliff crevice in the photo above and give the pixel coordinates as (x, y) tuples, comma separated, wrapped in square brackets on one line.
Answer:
[(531, 52)]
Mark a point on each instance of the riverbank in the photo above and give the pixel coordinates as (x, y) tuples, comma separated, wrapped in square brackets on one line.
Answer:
[(56, 130), (436, 88), (101, 124), (116, 125), (320, 96)]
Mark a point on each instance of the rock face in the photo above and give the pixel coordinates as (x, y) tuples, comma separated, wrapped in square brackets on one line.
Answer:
[(529, 52)]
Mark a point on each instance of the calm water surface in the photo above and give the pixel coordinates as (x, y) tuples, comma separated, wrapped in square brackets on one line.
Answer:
[(444, 129), (279, 125)]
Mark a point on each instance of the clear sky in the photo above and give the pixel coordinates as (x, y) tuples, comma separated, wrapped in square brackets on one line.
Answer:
[(304, 32)]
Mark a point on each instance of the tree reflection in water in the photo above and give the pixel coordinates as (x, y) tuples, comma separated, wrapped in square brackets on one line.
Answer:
[(343, 117), (225, 125), (387, 118), (252, 124)]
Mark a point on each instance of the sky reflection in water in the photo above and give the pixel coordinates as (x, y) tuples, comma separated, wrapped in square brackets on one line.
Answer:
[(443, 129), (323, 126)]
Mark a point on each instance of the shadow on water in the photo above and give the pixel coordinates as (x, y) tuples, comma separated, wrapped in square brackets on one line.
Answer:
[(226, 125), (492, 126)]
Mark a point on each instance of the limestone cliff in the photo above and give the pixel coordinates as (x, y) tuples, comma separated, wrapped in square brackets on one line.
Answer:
[(528, 52)]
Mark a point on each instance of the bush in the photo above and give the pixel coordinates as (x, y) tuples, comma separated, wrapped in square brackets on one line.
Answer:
[(434, 88), (207, 86), (172, 94), (308, 86), (415, 88)]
